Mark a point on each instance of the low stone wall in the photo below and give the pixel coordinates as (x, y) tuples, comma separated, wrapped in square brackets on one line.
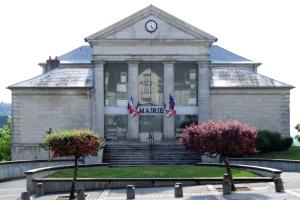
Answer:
[(16, 169), (63, 185), (33, 174), (263, 171), (281, 164)]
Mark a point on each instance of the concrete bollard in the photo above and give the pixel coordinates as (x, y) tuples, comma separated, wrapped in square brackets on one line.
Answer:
[(226, 185), (130, 190), (80, 194), (25, 196), (39, 189), (278, 185), (178, 190)]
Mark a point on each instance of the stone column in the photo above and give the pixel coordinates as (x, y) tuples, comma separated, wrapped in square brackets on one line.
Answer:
[(98, 104), (203, 91), (133, 91), (168, 89)]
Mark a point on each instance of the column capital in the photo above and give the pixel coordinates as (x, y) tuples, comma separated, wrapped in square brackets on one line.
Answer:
[(99, 62), (203, 63), (169, 62), (132, 62)]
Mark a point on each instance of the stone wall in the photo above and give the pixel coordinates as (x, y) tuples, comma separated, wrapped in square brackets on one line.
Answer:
[(266, 109), (16, 169), (34, 111)]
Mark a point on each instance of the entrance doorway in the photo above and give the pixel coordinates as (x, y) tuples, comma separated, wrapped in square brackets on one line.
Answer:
[(152, 124)]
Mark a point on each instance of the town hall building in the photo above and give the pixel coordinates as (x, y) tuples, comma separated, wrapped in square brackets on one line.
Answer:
[(142, 62)]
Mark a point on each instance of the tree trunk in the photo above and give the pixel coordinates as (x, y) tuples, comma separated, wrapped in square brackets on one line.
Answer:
[(72, 192), (226, 161)]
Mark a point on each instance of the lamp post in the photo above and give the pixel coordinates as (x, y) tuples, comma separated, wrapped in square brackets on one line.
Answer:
[(49, 133)]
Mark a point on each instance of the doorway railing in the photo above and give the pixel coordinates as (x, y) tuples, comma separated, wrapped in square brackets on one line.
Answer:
[(151, 143)]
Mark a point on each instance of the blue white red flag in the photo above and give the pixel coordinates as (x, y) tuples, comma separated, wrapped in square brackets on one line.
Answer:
[(172, 109), (171, 103), (137, 108), (130, 106)]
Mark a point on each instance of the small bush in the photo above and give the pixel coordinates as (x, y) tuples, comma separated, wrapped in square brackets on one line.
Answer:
[(5, 141), (286, 143), (262, 143), (275, 140)]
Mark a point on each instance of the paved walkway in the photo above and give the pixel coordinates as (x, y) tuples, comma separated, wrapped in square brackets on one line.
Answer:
[(11, 190)]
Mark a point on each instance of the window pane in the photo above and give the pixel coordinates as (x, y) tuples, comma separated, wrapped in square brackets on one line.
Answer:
[(186, 84), (181, 121), (152, 123), (115, 84), (116, 126), (151, 83)]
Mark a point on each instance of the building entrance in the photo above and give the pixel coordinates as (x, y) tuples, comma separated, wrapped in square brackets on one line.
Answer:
[(152, 124), (151, 85)]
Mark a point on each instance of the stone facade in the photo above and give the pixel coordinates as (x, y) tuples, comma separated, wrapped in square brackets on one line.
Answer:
[(73, 91), (34, 111), (265, 109)]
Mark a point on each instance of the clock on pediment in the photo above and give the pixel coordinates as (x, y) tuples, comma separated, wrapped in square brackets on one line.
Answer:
[(151, 26)]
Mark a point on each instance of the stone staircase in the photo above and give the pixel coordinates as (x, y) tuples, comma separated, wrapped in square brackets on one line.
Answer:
[(137, 153)]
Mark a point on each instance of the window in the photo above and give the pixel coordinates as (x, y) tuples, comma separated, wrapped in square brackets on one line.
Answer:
[(185, 84), (151, 123), (116, 126), (151, 84), (115, 84), (147, 86)]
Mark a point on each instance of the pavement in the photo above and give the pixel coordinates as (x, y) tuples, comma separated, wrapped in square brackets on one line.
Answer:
[(11, 190)]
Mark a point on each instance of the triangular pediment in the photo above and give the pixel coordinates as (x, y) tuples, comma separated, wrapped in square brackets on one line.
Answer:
[(168, 28)]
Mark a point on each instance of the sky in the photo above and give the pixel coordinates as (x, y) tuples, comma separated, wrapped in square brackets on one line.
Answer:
[(266, 31)]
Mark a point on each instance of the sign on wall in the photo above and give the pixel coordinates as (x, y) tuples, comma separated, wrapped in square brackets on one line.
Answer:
[(151, 110)]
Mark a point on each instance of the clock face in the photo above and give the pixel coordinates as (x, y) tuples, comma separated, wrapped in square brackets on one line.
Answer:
[(151, 26)]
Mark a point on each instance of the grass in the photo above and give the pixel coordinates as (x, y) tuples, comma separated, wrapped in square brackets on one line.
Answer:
[(151, 172), (293, 154)]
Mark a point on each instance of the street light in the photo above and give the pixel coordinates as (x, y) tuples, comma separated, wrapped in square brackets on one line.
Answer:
[(49, 133)]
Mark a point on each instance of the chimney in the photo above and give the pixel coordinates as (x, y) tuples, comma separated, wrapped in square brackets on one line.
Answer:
[(51, 64)]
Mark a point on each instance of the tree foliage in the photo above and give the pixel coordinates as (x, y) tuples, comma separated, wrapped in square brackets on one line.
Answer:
[(5, 140), (230, 138), (75, 143), (297, 137)]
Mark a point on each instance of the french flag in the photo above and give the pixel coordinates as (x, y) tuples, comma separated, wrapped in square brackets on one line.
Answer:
[(137, 108), (172, 109), (130, 106)]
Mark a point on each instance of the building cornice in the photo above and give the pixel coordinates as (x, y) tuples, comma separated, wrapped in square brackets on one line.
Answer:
[(160, 58), (205, 43)]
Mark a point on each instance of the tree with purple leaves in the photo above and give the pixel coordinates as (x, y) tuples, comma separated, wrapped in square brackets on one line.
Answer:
[(226, 139), (75, 143)]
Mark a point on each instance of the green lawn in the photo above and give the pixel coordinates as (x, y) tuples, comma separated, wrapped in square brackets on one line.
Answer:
[(293, 154), (151, 172)]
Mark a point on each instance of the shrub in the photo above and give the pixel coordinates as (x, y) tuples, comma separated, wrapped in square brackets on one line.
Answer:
[(262, 143), (5, 140), (220, 138), (75, 143), (286, 143), (275, 140)]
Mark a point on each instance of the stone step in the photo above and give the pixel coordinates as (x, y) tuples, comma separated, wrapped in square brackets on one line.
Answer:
[(153, 163), (135, 153)]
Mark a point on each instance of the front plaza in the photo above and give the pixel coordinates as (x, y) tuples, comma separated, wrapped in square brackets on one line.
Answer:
[(145, 57), (263, 191)]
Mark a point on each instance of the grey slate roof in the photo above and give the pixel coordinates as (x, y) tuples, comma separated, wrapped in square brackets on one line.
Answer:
[(233, 77), (81, 54), (221, 55), (60, 78), (218, 54), (225, 77)]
